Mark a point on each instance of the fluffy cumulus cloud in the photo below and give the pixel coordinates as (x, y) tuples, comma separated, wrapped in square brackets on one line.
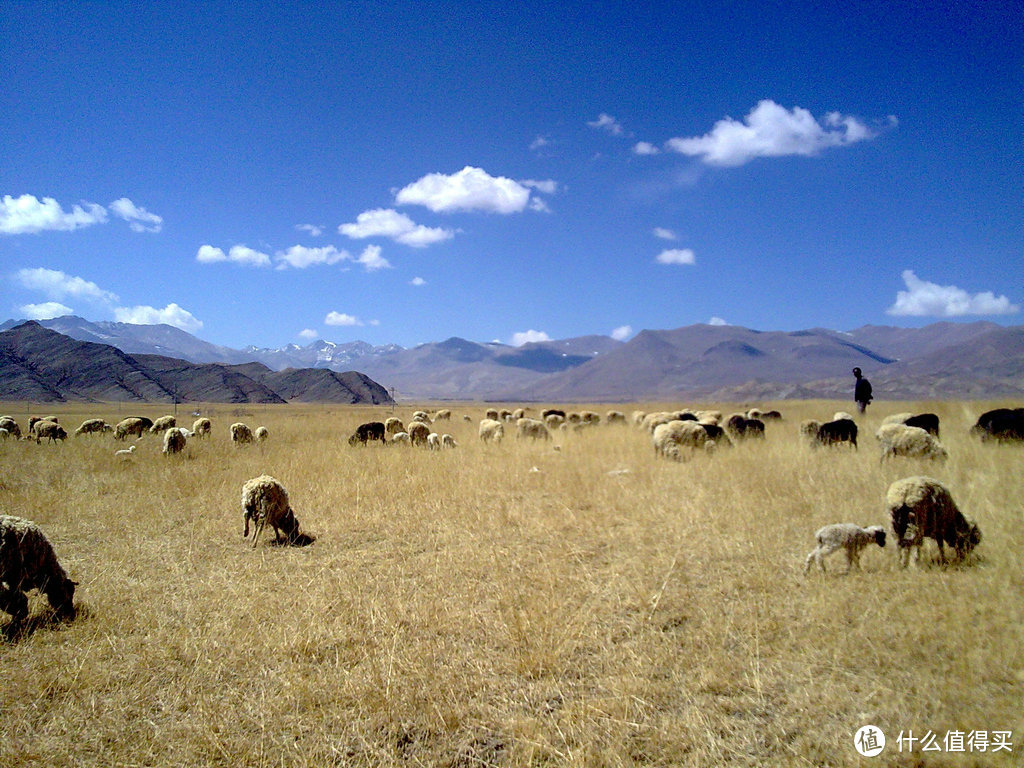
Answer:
[(172, 314), (664, 234), (300, 257), (527, 337), (139, 219), (417, 281), (340, 318), (27, 215), (59, 285), (676, 256), (770, 130), (387, 222), (371, 259), (238, 254), (308, 334), (471, 189), (717, 321), (645, 148), (622, 333), (44, 311), (924, 299), (608, 123)]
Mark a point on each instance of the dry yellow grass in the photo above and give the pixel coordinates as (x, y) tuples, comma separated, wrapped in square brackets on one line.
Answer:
[(460, 609)]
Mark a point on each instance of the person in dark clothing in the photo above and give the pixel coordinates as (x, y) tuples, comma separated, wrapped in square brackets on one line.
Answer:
[(862, 391)]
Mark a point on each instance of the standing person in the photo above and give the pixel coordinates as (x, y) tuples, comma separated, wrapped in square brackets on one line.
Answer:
[(861, 391)]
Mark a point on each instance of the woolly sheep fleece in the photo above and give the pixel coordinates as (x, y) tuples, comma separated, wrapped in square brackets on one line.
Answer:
[(27, 561)]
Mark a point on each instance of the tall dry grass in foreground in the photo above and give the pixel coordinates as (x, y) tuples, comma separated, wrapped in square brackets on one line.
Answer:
[(459, 608)]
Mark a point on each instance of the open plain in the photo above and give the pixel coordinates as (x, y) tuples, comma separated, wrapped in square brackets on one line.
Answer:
[(505, 604)]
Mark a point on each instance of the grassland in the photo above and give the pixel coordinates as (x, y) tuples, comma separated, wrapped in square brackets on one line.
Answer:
[(504, 605)]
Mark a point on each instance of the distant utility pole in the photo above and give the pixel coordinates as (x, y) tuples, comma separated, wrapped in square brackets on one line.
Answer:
[(392, 399)]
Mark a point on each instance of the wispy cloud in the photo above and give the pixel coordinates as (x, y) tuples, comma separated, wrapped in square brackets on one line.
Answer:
[(770, 130), (608, 123), (539, 143), (57, 285), (313, 229), (44, 311), (471, 189), (417, 281), (924, 299), (665, 234), (387, 222), (676, 256), (645, 148), (139, 219), (238, 254), (27, 215), (717, 321)]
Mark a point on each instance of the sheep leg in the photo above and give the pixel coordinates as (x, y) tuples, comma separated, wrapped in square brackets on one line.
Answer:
[(260, 522), (14, 602)]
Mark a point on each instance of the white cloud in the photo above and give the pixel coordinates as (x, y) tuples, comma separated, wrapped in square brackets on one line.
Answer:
[(924, 299), (717, 321), (471, 189), (645, 148), (308, 333), (172, 314), (526, 337), (340, 318), (676, 256), (539, 143), (139, 219), (538, 205), (622, 333), (387, 222), (371, 259), (239, 254), (665, 234), (546, 186), (45, 311), (312, 229), (608, 123), (417, 281), (300, 257), (770, 130), (58, 285), (27, 214)]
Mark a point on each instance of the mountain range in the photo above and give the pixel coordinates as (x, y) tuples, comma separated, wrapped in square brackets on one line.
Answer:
[(711, 362)]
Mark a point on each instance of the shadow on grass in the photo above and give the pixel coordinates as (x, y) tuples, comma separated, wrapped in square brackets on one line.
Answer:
[(16, 631)]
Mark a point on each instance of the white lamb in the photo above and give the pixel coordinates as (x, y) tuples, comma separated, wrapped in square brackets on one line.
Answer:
[(846, 536), (491, 431)]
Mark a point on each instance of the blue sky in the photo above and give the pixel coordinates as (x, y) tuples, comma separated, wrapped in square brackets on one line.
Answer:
[(405, 172)]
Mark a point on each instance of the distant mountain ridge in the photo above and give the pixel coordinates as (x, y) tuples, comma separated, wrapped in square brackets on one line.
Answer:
[(40, 364), (968, 360)]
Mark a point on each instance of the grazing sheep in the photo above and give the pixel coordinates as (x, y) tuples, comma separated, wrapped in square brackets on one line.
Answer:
[(590, 417), (90, 426), (174, 441), (401, 438), (532, 428), (505, 414), (10, 425), (1000, 424), (261, 434), (202, 428), (434, 441), (926, 421), (637, 417), (27, 561), (443, 415), (717, 434), (447, 441), (421, 416), (492, 414), (265, 502), (553, 421), (846, 536), (240, 433), (669, 439), (418, 432), (371, 430), (909, 442), (33, 420), (548, 411), (491, 431), (840, 415), (897, 418), (50, 430), (836, 432), (741, 427), (518, 413), (4, 434), (615, 417), (393, 425), (809, 430), (124, 454), (163, 423), (772, 415), (133, 425), (921, 507), (653, 420), (709, 417)]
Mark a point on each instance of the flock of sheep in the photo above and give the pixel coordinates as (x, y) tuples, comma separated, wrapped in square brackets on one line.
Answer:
[(919, 507)]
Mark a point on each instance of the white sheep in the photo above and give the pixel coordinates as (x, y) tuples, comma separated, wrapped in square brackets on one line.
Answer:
[(443, 414), (846, 536), (554, 420), (669, 438), (921, 507), (393, 426), (163, 423), (434, 441), (615, 417), (532, 428), (491, 431), (265, 502), (8, 423), (261, 434), (133, 425), (27, 561), (838, 415), (202, 427), (447, 441), (240, 433), (90, 426), (174, 441), (401, 438), (418, 432), (50, 430), (125, 454), (909, 442)]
